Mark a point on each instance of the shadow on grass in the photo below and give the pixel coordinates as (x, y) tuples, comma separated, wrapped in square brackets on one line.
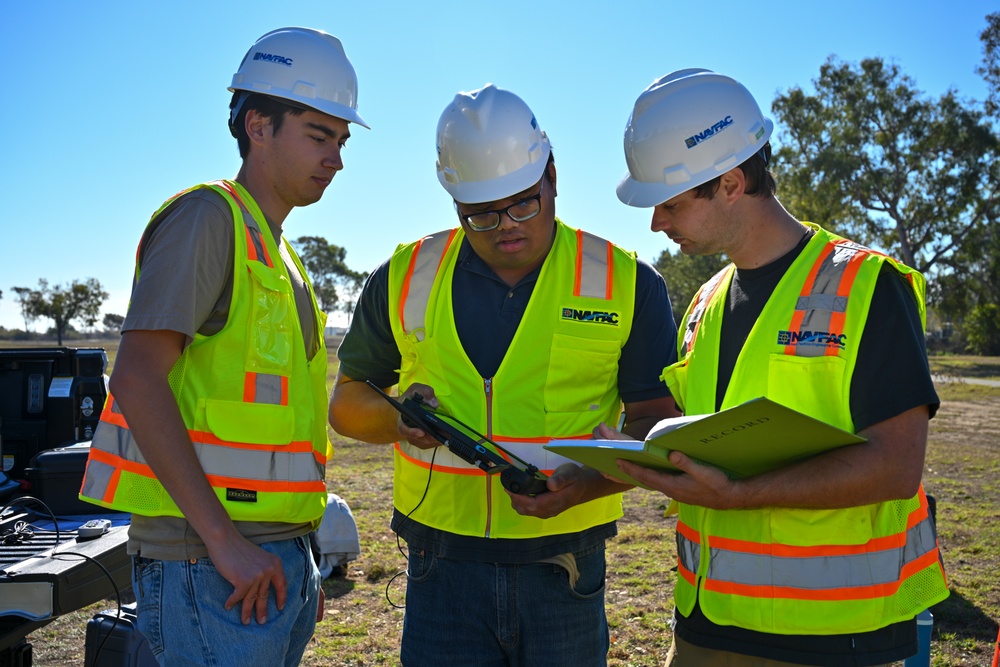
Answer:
[(336, 587), (956, 615)]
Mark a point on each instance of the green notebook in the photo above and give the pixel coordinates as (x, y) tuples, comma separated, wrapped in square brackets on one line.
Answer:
[(745, 440)]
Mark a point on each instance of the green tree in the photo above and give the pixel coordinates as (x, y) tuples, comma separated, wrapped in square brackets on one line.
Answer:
[(870, 156), (330, 275), (24, 300), (990, 69), (112, 322), (78, 301), (684, 274)]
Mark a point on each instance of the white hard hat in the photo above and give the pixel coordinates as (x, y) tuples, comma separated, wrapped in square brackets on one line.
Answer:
[(489, 146), (304, 66), (687, 128)]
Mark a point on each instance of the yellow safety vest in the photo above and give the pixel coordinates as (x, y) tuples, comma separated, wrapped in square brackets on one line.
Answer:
[(790, 570), (558, 378), (254, 406)]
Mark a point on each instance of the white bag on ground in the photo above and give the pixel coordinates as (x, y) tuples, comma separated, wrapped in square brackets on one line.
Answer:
[(337, 536)]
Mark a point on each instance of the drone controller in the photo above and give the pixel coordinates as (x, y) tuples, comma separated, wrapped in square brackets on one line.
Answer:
[(468, 445)]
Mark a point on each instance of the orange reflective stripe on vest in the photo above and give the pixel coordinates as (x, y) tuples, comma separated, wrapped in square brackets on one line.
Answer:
[(823, 302), (824, 572)]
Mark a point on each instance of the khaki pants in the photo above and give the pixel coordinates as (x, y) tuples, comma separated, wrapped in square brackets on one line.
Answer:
[(682, 654)]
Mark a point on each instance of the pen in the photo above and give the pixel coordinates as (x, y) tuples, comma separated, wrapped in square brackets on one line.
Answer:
[(621, 421)]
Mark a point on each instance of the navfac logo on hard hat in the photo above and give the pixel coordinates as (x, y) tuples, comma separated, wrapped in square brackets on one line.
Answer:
[(272, 58), (709, 132)]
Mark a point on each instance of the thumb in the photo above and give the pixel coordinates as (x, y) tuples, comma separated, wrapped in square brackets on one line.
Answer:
[(681, 460), (562, 476)]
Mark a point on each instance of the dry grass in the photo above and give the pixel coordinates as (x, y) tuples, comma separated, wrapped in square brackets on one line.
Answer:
[(362, 627)]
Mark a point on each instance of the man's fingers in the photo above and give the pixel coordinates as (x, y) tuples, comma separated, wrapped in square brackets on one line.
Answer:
[(246, 609), (280, 587), (261, 608)]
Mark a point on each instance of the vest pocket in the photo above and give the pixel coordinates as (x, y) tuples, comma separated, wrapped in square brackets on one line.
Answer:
[(581, 372), (421, 361), (271, 316), (254, 423), (808, 527), (814, 385)]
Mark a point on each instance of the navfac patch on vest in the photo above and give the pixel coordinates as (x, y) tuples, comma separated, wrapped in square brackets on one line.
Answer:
[(595, 316), (812, 338), (241, 495)]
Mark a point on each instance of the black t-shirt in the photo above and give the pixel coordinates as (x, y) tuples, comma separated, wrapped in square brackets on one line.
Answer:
[(487, 314), (891, 376)]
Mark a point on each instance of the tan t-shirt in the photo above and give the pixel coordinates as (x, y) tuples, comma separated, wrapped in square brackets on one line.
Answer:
[(185, 284)]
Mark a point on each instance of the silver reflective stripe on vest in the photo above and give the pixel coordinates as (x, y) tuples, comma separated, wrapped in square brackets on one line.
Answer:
[(595, 269), (688, 552), (698, 309), (425, 268), (267, 389), (258, 465), (255, 238), (97, 479), (815, 573), (823, 300)]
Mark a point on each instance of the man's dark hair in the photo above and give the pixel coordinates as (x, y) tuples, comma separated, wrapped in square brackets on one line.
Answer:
[(267, 106), (760, 181)]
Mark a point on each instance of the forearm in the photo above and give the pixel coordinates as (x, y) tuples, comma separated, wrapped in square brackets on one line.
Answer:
[(887, 467), (357, 411), (159, 431), (141, 388)]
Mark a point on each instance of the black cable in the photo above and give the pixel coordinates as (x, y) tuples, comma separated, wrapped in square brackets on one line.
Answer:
[(22, 499), (118, 597), (406, 517), (25, 527)]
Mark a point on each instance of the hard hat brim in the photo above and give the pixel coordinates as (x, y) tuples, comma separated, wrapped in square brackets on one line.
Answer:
[(646, 195), (328, 107), (478, 192)]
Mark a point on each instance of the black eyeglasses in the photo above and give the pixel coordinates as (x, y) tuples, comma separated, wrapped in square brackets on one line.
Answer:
[(521, 211)]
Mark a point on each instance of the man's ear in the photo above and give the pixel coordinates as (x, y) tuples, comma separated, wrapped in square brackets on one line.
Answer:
[(732, 184), (256, 126), (550, 171)]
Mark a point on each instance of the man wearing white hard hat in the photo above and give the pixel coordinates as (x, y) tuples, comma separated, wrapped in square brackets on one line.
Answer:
[(214, 435), (526, 330), (827, 561)]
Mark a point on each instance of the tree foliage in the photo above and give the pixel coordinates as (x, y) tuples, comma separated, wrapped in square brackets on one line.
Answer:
[(113, 322), (335, 284), (684, 274), (990, 69), (870, 156), (24, 300), (78, 301)]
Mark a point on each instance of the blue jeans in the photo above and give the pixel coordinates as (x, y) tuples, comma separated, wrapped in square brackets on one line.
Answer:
[(485, 614), (181, 612)]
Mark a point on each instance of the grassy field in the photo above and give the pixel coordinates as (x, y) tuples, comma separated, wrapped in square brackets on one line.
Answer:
[(363, 620)]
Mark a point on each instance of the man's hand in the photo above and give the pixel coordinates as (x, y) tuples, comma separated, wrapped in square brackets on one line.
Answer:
[(569, 485), (252, 571), (417, 436), (697, 484)]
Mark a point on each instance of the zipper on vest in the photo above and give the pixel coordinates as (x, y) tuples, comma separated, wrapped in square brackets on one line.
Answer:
[(488, 391)]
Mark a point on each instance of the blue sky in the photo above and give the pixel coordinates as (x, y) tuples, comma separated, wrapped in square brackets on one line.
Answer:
[(111, 107)]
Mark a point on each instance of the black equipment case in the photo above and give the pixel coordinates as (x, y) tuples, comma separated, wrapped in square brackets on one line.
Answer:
[(125, 646)]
